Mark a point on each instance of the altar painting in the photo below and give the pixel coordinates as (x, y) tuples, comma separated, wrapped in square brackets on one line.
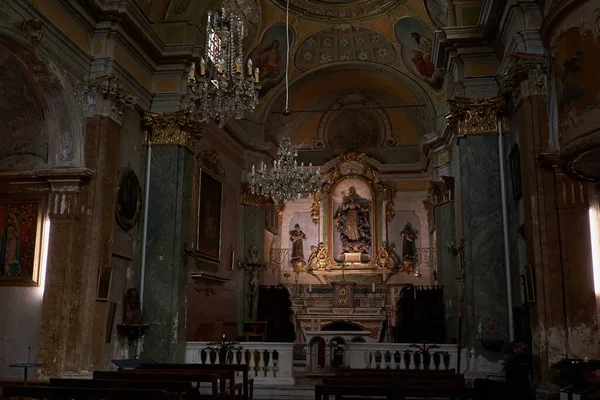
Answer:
[(352, 213)]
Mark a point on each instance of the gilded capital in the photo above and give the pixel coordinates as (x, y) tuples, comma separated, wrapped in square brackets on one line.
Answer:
[(440, 192), (526, 76), (475, 116), (252, 199), (105, 97), (178, 128)]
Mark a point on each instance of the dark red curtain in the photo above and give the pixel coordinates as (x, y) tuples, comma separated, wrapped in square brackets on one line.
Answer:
[(275, 308), (420, 315)]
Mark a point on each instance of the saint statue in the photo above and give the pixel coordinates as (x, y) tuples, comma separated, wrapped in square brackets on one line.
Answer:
[(133, 312), (409, 247), (352, 220), (297, 237)]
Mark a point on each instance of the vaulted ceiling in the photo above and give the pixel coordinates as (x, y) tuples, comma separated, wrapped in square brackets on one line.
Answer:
[(361, 74)]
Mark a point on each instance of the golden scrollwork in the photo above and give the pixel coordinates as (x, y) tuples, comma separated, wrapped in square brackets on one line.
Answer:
[(318, 259), (386, 257), (177, 128), (315, 209), (475, 116), (349, 164), (441, 192), (389, 193), (280, 212)]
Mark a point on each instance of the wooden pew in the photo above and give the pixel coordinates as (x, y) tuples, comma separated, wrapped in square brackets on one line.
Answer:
[(173, 376), (49, 392), (391, 390), (375, 371), (391, 387), (248, 384)]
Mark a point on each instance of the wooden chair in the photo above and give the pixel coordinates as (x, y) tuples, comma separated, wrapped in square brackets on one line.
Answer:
[(255, 331)]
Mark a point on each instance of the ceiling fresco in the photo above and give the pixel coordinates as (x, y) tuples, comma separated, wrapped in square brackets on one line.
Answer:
[(339, 10), (361, 72), (344, 44)]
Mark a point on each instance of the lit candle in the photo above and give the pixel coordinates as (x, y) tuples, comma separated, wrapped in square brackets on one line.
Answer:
[(373, 288), (310, 288), (249, 67), (257, 75)]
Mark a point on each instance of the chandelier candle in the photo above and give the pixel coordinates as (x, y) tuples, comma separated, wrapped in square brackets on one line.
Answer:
[(222, 90)]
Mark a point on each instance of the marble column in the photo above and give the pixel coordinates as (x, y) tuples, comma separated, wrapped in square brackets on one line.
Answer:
[(169, 223), (571, 33), (481, 214)]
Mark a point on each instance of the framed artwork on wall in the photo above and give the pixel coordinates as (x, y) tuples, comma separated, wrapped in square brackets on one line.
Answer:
[(515, 169), (20, 241), (529, 284), (104, 281), (210, 208), (129, 199)]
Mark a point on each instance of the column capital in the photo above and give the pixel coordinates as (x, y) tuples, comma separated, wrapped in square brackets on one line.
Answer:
[(105, 97), (475, 116), (177, 128), (526, 76), (64, 193), (440, 192)]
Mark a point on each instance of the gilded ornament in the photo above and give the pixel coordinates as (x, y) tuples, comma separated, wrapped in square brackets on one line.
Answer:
[(440, 192), (104, 96), (386, 258), (349, 164), (210, 160), (318, 259), (178, 128), (280, 211), (477, 116), (252, 200), (315, 210)]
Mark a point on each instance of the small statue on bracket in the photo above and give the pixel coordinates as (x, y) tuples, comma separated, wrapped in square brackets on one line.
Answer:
[(132, 326), (409, 248)]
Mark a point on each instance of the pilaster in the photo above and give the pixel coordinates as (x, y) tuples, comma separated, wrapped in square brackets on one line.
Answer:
[(66, 289), (440, 197)]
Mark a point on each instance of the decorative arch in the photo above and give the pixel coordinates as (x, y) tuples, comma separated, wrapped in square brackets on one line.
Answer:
[(347, 102), (401, 79), (348, 43), (52, 135)]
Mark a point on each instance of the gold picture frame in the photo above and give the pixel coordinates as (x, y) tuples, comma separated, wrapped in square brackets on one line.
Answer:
[(529, 284), (21, 227), (209, 225)]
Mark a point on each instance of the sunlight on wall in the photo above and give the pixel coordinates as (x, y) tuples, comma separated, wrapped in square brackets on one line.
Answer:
[(595, 237), (44, 259)]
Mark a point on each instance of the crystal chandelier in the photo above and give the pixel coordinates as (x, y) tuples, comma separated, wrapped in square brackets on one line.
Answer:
[(224, 88), (286, 181)]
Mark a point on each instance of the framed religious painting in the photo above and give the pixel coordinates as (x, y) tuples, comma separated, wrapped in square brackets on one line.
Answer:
[(515, 169), (210, 208), (21, 221), (129, 199)]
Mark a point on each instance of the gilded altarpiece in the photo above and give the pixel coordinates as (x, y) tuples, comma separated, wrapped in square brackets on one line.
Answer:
[(343, 250)]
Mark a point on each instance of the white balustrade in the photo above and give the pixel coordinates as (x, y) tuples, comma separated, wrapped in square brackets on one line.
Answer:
[(268, 363), (405, 356)]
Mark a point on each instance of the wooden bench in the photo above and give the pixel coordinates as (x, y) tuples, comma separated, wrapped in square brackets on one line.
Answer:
[(396, 387), (386, 371), (233, 369), (48, 392), (170, 376)]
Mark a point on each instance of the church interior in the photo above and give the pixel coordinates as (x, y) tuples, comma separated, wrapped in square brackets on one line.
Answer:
[(297, 199)]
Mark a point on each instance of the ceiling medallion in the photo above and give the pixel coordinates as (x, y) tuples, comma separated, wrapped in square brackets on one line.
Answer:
[(339, 10)]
